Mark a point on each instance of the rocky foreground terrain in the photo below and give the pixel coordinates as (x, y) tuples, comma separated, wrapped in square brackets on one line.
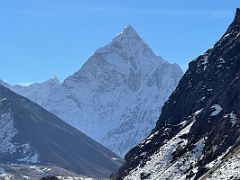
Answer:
[(198, 133)]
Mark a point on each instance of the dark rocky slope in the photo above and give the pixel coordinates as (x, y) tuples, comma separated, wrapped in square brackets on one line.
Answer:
[(199, 127), (31, 135)]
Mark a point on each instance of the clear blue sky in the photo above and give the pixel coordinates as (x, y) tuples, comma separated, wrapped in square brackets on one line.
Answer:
[(43, 38)]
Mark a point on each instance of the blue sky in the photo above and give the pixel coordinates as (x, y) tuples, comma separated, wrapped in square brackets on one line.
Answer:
[(43, 38)]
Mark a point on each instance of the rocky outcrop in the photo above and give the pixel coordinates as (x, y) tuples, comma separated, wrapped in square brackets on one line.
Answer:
[(199, 127)]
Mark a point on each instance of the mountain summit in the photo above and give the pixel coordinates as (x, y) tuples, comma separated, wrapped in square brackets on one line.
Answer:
[(198, 133), (128, 32), (128, 44), (117, 95)]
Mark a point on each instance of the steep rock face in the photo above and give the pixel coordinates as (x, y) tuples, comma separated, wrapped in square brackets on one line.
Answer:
[(31, 135), (116, 96), (198, 133)]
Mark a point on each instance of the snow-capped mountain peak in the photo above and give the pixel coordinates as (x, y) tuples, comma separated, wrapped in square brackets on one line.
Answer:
[(38, 92), (129, 31), (127, 36), (50, 82), (128, 44), (116, 96)]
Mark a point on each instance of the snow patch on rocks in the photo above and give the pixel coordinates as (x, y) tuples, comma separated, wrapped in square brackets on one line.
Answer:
[(34, 158), (229, 169), (218, 160), (7, 133), (160, 165), (233, 118), (217, 109)]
